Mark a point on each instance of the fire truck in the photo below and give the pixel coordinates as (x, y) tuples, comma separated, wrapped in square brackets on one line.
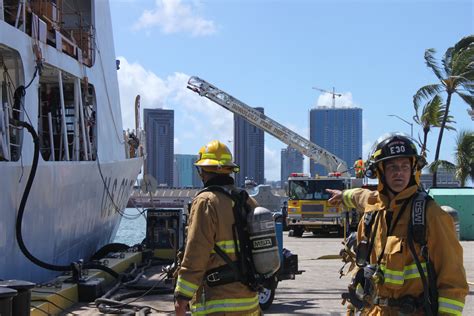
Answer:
[(309, 209)]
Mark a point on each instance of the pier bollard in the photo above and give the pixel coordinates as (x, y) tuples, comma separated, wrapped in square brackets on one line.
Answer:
[(21, 302), (6, 297)]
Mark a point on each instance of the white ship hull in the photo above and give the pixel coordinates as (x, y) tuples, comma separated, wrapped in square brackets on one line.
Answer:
[(68, 216), (84, 177)]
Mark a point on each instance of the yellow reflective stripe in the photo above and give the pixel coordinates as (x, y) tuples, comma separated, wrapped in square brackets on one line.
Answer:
[(450, 306), (399, 277), (411, 271), (378, 152), (227, 246), (392, 276), (225, 305), (224, 157), (185, 287), (208, 156), (347, 198)]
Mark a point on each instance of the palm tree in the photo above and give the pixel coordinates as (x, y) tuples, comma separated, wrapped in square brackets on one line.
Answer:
[(456, 77), (431, 116), (465, 156)]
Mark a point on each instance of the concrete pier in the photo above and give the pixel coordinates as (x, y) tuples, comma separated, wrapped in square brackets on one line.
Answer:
[(316, 292)]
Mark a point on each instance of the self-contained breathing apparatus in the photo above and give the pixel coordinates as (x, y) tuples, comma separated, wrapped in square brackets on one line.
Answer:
[(257, 254), (362, 289)]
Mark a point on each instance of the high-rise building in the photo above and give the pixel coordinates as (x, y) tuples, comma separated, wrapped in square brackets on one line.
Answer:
[(185, 173), (338, 130), (249, 150), (291, 161), (159, 129)]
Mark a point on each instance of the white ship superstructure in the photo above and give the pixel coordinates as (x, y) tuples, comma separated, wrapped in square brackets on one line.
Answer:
[(59, 74)]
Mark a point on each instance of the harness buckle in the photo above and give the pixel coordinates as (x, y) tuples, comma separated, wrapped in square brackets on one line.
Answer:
[(213, 277), (406, 304)]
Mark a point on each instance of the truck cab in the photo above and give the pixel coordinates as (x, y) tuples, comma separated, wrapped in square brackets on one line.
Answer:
[(308, 206)]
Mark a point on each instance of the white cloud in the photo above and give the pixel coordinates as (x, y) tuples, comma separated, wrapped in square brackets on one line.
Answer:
[(173, 16), (133, 80), (344, 101), (197, 119)]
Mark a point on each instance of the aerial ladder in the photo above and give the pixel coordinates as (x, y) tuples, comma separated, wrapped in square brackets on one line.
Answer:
[(318, 154)]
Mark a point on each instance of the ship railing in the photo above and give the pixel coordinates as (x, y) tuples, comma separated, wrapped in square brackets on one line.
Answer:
[(62, 128), (11, 135), (4, 132), (45, 21)]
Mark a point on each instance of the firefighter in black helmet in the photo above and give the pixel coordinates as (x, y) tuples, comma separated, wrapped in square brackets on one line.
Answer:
[(400, 270)]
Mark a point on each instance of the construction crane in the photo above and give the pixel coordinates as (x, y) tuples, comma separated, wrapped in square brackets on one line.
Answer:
[(333, 93), (260, 120)]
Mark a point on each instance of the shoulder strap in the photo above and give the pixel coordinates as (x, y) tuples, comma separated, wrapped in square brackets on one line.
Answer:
[(235, 193), (368, 222), (418, 217), (216, 188), (417, 233), (364, 247)]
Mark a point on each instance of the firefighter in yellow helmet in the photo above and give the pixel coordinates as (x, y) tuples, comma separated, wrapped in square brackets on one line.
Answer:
[(409, 259), (210, 223)]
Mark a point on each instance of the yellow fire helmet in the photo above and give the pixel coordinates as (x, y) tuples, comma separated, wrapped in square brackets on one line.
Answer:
[(216, 157)]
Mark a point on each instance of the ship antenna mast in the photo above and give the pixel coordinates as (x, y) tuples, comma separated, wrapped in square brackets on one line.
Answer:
[(333, 93)]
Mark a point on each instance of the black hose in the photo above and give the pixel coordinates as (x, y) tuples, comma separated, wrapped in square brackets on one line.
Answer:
[(24, 199), (101, 267), (21, 211), (115, 306), (143, 292)]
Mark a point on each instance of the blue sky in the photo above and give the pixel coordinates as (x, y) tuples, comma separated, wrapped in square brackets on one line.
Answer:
[(271, 53)]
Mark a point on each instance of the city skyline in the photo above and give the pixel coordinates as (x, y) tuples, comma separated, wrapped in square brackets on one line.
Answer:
[(271, 54)]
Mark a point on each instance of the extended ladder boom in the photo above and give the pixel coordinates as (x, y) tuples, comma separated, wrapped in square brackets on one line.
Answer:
[(260, 120)]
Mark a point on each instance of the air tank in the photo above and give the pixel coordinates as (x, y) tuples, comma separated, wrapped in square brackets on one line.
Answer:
[(263, 241)]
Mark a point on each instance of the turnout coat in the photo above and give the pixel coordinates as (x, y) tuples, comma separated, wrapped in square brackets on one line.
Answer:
[(210, 223), (401, 276)]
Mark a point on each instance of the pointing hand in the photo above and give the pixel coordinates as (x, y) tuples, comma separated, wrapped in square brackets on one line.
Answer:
[(336, 197)]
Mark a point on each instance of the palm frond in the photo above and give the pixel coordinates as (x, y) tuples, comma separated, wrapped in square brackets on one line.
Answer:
[(448, 60), (427, 92), (469, 99), (468, 71), (462, 62), (465, 42), (458, 62), (433, 112), (431, 62), (468, 86), (444, 164), (464, 155)]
